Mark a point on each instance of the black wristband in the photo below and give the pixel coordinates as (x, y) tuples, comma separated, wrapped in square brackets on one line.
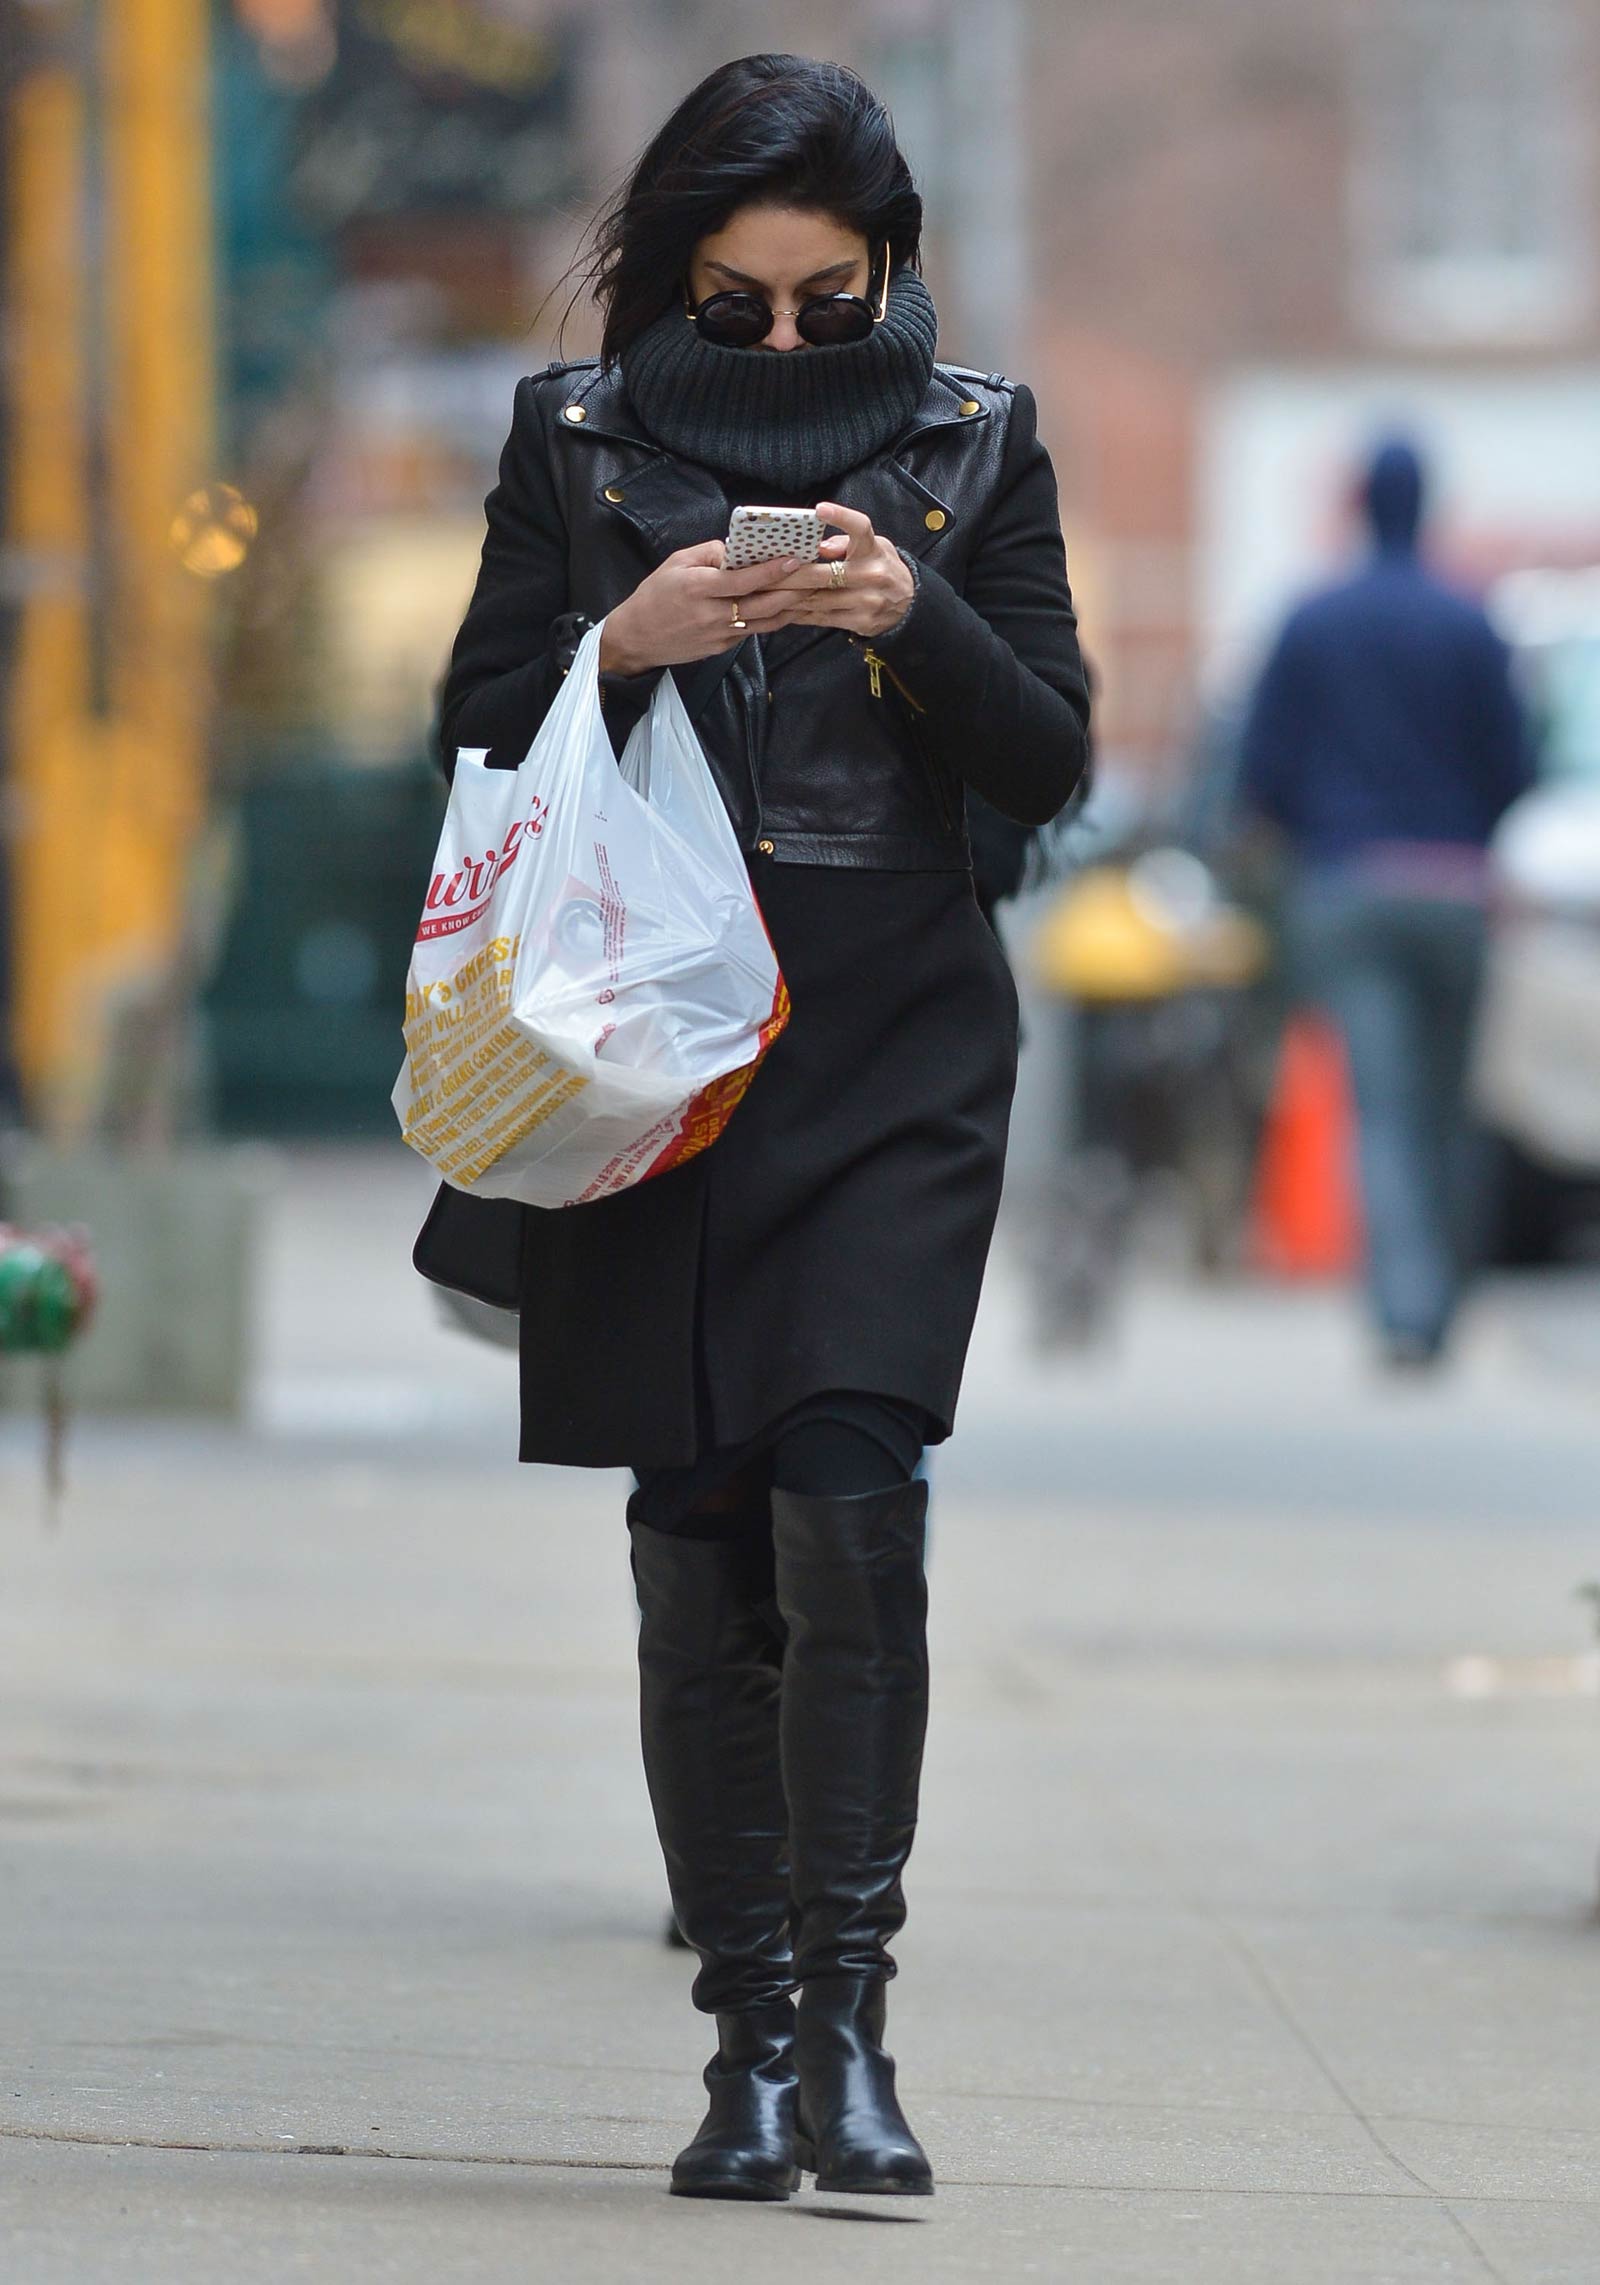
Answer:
[(566, 634)]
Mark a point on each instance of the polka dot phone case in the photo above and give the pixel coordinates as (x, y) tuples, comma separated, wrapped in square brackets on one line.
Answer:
[(761, 535)]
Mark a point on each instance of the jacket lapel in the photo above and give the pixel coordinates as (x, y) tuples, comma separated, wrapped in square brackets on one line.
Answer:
[(668, 503)]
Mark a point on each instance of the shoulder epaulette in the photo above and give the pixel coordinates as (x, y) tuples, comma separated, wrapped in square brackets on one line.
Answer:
[(559, 365), (971, 373)]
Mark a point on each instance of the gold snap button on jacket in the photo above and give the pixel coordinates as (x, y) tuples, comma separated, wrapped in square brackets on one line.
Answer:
[(615, 494), (935, 519), (766, 847), (969, 405), (575, 413)]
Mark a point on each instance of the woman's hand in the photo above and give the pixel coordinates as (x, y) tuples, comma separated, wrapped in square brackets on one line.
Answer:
[(686, 608), (874, 593)]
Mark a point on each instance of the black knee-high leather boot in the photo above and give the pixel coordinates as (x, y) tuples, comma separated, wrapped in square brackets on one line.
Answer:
[(710, 1658), (852, 1591)]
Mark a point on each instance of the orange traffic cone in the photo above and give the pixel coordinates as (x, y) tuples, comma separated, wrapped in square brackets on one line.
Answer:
[(1306, 1216)]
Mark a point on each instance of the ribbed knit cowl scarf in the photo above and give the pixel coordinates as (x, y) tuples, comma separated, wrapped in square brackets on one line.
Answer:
[(790, 419)]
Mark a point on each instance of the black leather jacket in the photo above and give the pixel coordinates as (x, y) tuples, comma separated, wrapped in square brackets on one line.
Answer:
[(826, 749)]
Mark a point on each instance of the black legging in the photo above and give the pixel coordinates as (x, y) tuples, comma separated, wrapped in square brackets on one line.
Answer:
[(837, 1445)]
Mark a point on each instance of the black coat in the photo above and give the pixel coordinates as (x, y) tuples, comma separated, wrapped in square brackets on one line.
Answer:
[(867, 1155)]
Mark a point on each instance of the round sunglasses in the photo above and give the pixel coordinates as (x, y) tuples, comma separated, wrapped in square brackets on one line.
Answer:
[(826, 321)]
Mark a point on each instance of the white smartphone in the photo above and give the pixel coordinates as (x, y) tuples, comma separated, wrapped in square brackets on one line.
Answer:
[(761, 535)]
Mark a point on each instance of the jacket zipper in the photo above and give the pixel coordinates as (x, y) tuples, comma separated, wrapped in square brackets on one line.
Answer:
[(754, 733), (877, 668)]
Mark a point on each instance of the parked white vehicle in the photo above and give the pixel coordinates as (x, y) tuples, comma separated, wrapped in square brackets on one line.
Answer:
[(1538, 1077), (1538, 1072)]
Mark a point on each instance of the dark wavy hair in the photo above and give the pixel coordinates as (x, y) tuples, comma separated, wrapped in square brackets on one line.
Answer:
[(764, 130)]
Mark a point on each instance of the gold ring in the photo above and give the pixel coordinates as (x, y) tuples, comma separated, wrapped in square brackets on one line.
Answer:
[(737, 621), (836, 575)]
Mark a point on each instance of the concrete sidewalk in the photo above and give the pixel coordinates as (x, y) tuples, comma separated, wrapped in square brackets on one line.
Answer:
[(1252, 1925)]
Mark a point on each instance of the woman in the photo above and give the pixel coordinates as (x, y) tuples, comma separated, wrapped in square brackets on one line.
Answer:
[(769, 1335)]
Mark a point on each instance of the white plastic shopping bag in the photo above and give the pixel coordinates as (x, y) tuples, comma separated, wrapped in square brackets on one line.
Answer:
[(592, 988)]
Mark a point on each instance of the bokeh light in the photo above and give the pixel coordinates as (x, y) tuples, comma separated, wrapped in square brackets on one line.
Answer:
[(212, 531)]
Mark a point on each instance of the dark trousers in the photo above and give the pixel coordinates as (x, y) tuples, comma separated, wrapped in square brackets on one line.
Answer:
[(837, 1444)]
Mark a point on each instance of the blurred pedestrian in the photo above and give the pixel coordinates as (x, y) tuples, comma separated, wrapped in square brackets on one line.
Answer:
[(770, 1335), (1385, 741)]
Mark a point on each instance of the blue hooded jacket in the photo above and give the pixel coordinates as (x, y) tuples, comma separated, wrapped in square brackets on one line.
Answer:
[(1386, 713)]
